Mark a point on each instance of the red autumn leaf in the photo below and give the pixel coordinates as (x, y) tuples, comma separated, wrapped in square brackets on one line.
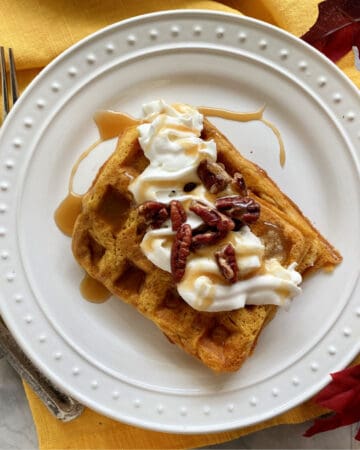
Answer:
[(350, 375), (337, 28), (331, 422), (341, 395), (344, 389), (340, 402)]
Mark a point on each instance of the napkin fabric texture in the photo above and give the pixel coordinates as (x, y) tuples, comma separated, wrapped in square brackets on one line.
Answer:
[(38, 31)]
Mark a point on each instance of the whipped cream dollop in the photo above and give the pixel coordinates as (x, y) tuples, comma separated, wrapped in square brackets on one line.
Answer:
[(170, 137)]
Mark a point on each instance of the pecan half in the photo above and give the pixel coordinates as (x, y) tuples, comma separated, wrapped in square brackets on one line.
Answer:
[(177, 214), (212, 217), (201, 229), (213, 176), (241, 208), (209, 237), (239, 184), (155, 213), (226, 260), (180, 251)]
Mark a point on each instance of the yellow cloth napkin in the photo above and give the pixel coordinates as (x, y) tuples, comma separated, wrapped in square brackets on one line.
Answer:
[(39, 30), (93, 431)]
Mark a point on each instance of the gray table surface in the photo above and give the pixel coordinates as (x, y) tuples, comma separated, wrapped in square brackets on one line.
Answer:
[(17, 428)]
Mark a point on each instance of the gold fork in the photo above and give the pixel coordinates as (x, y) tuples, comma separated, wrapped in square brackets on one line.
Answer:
[(59, 404)]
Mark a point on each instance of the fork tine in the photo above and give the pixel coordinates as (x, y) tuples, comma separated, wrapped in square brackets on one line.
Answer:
[(4, 89), (13, 80)]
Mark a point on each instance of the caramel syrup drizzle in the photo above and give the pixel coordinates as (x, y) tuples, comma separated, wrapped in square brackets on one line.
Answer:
[(111, 124), (94, 291), (247, 117), (68, 210)]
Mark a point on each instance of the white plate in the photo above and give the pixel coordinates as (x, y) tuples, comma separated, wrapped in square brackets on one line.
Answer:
[(108, 356)]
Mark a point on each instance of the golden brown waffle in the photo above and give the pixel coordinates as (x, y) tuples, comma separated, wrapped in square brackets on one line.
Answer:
[(106, 243)]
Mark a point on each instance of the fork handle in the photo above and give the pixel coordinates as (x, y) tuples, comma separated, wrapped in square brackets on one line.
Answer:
[(62, 406)]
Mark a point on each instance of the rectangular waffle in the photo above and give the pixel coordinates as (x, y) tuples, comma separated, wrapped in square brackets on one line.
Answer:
[(109, 230)]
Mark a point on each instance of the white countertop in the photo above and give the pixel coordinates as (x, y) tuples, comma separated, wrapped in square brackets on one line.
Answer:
[(17, 429)]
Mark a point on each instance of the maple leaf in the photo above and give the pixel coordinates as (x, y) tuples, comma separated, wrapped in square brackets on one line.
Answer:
[(337, 28), (342, 396)]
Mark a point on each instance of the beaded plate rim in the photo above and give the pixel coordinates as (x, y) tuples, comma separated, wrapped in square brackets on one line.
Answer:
[(186, 419)]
